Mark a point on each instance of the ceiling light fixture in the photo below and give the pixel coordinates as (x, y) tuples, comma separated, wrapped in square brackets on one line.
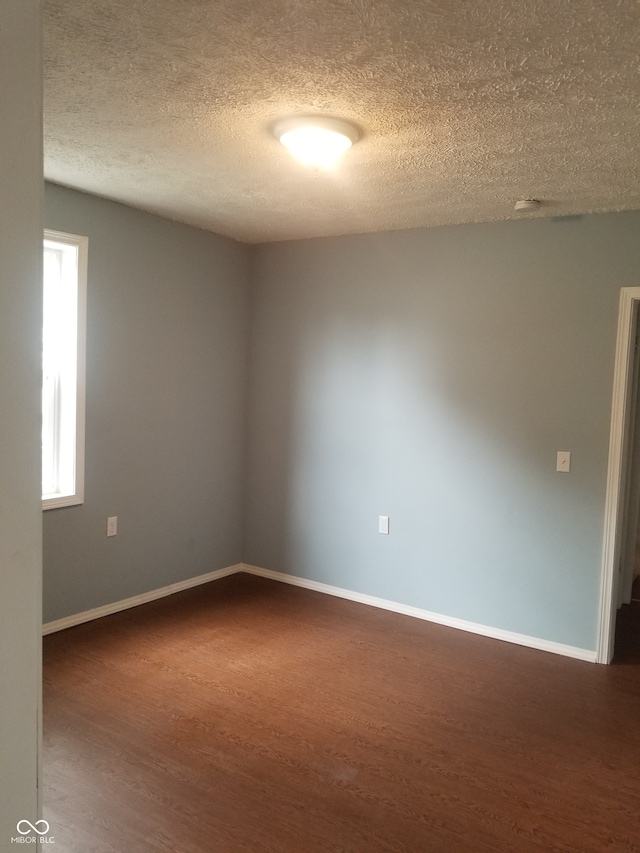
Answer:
[(316, 140)]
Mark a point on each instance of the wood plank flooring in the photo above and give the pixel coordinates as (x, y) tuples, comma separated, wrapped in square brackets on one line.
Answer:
[(248, 716)]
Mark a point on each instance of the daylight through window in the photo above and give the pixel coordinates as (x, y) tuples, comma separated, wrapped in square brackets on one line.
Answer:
[(63, 339)]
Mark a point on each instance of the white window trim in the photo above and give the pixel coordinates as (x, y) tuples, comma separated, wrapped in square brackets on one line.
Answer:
[(82, 245)]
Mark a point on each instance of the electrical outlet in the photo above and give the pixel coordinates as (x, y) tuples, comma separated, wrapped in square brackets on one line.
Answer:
[(383, 524), (112, 526)]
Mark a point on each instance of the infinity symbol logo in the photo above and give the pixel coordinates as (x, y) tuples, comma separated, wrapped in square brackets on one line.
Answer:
[(33, 827)]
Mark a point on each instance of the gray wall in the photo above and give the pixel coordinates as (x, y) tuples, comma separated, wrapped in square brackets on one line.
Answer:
[(166, 371), (20, 381), (428, 375), (431, 376)]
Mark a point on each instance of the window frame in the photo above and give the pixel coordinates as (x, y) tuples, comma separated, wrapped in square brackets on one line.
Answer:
[(81, 245)]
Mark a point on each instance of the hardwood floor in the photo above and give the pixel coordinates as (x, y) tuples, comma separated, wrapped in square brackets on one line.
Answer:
[(248, 715)]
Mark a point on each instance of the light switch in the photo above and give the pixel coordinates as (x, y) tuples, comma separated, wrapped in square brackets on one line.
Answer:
[(563, 461)]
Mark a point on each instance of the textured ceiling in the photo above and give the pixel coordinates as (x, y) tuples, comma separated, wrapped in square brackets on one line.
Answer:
[(465, 106)]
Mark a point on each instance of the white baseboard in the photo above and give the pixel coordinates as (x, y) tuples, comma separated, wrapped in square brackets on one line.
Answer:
[(134, 601), (339, 592), (427, 615)]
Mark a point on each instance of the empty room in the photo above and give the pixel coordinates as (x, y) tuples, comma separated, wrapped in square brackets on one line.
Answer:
[(331, 492)]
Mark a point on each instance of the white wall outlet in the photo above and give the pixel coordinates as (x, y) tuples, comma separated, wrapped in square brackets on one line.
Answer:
[(383, 524), (112, 526), (563, 461)]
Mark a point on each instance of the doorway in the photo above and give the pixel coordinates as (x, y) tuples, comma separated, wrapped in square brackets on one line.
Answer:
[(622, 506)]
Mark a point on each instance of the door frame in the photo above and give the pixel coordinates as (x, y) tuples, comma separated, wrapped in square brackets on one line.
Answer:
[(618, 467)]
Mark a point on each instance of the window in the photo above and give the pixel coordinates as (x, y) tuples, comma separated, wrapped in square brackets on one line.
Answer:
[(63, 342)]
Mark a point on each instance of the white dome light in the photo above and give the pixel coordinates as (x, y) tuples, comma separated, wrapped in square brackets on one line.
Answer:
[(316, 140)]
